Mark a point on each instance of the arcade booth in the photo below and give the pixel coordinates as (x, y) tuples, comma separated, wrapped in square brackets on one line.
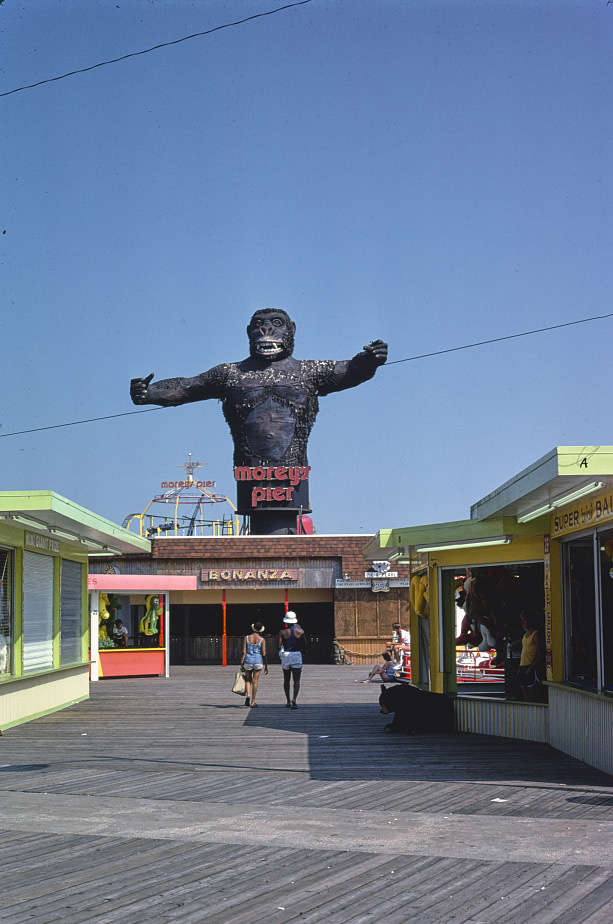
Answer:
[(45, 544), (526, 582), (130, 622)]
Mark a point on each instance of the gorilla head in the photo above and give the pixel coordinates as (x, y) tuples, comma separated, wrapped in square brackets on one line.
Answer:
[(271, 334)]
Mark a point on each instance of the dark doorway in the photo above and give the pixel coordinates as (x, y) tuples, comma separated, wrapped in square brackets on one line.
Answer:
[(196, 630)]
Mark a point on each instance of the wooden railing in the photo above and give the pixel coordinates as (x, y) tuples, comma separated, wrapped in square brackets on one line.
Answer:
[(364, 650)]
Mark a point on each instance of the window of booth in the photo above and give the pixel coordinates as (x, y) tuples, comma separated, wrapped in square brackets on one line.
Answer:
[(605, 541), (7, 564), (123, 624), (488, 602), (38, 585), (114, 629), (588, 609), (71, 618)]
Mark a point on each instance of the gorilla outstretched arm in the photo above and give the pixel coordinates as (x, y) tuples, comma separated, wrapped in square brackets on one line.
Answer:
[(360, 368), (169, 392)]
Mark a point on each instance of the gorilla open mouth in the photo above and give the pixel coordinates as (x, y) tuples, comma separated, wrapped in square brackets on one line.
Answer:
[(268, 347)]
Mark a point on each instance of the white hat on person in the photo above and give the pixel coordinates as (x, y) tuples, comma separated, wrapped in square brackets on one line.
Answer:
[(290, 618)]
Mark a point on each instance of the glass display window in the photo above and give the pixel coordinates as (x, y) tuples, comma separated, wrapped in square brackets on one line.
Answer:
[(588, 609), (488, 602)]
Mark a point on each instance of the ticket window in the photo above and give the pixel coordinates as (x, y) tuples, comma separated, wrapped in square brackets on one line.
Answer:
[(487, 602)]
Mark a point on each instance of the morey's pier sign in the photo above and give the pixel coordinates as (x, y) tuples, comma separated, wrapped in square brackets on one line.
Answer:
[(277, 483), (270, 401)]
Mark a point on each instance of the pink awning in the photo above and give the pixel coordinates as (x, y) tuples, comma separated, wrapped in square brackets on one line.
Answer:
[(151, 583)]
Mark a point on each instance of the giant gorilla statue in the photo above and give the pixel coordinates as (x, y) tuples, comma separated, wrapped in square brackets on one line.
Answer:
[(270, 399)]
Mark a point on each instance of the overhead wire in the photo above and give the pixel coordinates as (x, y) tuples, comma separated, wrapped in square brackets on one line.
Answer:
[(146, 51), (526, 333), (466, 346), (75, 423)]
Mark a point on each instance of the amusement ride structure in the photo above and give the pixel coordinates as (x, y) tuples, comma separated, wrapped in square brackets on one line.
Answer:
[(197, 497)]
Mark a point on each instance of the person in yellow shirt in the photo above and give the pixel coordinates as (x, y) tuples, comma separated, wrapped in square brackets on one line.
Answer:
[(532, 658)]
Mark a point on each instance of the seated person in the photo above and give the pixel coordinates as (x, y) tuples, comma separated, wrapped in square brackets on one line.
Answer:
[(401, 641), (120, 634), (384, 673)]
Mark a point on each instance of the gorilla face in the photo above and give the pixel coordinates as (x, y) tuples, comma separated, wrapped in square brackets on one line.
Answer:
[(271, 335)]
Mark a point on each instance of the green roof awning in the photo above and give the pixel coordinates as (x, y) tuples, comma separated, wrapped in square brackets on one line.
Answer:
[(48, 512), (564, 471)]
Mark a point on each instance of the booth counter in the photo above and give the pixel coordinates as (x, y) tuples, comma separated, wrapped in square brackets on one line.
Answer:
[(131, 662)]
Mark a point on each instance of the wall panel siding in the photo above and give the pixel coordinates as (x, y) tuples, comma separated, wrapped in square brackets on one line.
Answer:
[(483, 716), (581, 724)]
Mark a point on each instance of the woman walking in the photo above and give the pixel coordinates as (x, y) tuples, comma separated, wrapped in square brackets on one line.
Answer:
[(253, 660), (291, 645)]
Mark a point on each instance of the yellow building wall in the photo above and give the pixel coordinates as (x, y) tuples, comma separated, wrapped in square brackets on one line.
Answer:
[(27, 698), (437, 676), (557, 621)]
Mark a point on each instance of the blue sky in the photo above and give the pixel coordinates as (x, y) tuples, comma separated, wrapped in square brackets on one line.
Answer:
[(428, 173)]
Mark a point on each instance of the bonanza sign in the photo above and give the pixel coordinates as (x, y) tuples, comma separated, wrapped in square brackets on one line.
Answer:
[(249, 574)]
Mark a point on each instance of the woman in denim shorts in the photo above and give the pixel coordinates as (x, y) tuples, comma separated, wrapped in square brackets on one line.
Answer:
[(254, 659)]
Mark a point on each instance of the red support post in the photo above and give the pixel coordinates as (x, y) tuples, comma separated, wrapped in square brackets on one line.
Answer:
[(224, 636)]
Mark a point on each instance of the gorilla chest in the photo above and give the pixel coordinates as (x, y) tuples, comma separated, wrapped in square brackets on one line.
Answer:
[(270, 417)]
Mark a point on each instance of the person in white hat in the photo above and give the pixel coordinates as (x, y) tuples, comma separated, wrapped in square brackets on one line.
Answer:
[(292, 643)]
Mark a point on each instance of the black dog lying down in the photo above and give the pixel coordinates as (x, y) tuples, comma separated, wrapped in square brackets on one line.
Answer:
[(416, 710)]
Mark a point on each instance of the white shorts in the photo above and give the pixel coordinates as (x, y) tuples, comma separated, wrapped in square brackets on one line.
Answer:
[(253, 667), (291, 659)]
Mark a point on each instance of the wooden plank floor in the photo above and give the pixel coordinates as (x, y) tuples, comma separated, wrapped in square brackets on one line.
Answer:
[(169, 801)]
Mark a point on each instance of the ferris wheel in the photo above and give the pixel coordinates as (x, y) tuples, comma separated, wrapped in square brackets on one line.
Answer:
[(192, 502)]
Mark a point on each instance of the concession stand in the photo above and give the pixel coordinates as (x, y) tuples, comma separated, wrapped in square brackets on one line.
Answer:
[(45, 544), (141, 603), (540, 543)]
